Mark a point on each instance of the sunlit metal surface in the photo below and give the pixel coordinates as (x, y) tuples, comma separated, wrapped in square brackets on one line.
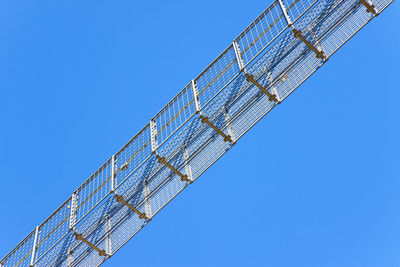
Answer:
[(287, 43)]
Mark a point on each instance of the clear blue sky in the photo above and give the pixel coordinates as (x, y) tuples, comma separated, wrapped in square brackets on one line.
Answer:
[(315, 183)]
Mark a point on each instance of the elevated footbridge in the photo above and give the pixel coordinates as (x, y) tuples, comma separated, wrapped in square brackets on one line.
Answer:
[(273, 56)]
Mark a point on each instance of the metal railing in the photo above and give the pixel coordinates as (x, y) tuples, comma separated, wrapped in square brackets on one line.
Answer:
[(287, 43)]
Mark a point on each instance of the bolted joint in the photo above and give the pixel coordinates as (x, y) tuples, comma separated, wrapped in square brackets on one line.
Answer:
[(249, 77), (274, 99), (297, 33), (204, 119), (321, 54)]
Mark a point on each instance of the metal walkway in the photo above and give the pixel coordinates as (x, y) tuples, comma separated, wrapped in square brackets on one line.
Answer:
[(287, 43)]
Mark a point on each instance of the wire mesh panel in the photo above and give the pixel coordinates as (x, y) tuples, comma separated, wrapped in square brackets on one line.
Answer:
[(381, 5), (132, 155), (21, 254), (296, 8), (261, 32), (344, 29), (58, 251), (217, 75), (174, 114), (54, 229), (93, 190), (121, 197)]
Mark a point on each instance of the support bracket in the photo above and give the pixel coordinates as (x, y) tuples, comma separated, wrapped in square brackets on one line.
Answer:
[(227, 138), (121, 199), (80, 237), (298, 34), (370, 7), (184, 177), (250, 78)]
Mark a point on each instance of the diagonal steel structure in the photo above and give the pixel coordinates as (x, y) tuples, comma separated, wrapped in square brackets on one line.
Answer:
[(287, 43)]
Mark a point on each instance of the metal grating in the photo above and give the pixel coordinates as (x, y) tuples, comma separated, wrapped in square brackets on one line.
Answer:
[(187, 143)]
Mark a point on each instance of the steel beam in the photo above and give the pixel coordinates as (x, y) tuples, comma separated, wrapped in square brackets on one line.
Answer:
[(80, 237), (121, 199)]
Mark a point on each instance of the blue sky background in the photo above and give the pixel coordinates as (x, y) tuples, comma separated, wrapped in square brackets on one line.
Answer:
[(315, 183)]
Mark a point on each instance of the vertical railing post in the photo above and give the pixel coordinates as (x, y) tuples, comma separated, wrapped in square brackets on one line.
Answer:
[(70, 257), (147, 203), (153, 136), (108, 227), (238, 54), (273, 88), (229, 125), (34, 248), (285, 13), (112, 173), (195, 96), (188, 168), (74, 205)]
